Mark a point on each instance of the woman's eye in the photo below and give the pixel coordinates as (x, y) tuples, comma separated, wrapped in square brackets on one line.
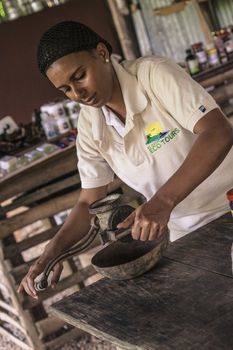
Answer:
[(65, 90), (80, 77)]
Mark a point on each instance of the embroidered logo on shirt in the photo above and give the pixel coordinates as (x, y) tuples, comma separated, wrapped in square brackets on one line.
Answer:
[(156, 137), (202, 108), (154, 132)]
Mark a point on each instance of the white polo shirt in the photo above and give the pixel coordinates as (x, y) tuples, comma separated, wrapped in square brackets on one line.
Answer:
[(163, 104)]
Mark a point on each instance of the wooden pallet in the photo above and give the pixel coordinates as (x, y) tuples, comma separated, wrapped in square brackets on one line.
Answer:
[(34, 194)]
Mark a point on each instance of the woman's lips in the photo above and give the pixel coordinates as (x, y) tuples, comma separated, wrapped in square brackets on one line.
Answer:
[(91, 100)]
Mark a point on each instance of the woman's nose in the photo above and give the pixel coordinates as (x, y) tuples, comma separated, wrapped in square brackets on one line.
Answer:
[(78, 93)]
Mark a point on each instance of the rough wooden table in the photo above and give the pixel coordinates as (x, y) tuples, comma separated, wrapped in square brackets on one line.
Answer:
[(184, 303)]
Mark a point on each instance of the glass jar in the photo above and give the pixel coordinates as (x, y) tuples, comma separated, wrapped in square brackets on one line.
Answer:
[(201, 55), (49, 125), (213, 57)]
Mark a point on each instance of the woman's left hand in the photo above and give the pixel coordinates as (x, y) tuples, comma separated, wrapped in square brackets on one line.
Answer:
[(148, 221)]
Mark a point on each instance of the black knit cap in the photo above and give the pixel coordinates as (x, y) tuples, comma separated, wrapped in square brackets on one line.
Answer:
[(65, 38)]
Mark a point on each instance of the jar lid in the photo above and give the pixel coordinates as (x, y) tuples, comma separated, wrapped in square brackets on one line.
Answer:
[(213, 50), (197, 45)]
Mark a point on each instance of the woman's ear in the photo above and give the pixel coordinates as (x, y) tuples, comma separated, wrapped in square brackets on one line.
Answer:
[(102, 52)]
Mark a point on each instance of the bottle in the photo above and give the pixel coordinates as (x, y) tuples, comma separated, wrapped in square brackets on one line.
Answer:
[(36, 5), (219, 44), (63, 124), (192, 62), (229, 42), (212, 53), (201, 55), (72, 109), (49, 125), (58, 111)]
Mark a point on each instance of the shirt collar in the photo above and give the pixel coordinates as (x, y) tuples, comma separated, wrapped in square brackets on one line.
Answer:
[(135, 101), (134, 98)]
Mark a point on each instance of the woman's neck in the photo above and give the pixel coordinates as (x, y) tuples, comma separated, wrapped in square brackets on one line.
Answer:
[(117, 104)]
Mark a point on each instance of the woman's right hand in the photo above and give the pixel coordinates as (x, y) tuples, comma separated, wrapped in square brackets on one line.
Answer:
[(27, 283)]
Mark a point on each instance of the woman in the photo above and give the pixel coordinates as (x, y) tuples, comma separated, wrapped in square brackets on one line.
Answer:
[(148, 122)]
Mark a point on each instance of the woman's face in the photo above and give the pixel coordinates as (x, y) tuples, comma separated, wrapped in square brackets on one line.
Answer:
[(84, 76)]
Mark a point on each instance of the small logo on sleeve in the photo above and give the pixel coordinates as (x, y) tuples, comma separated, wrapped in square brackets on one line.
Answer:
[(202, 108)]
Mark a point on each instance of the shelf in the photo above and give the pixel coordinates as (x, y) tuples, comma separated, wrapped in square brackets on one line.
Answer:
[(221, 68)]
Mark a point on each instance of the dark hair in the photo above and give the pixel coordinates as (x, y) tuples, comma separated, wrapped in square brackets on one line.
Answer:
[(65, 38)]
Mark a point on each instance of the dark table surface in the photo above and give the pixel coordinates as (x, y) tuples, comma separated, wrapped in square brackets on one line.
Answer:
[(185, 302)]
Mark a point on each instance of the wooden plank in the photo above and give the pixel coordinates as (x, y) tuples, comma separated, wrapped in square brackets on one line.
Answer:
[(6, 318), (174, 306), (218, 79), (42, 193), (39, 172), (26, 319), (45, 210), (41, 211), (49, 325), (4, 288), (63, 339), (14, 339), (203, 23), (222, 93), (14, 249), (228, 110), (170, 9), (8, 307), (208, 248)]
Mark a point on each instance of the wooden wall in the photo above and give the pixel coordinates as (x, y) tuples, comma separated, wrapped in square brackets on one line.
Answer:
[(22, 87)]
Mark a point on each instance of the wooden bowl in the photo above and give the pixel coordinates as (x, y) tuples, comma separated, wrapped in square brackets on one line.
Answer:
[(123, 260)]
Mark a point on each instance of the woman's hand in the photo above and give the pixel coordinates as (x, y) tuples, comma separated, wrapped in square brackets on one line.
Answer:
[(149, 220), (36, 269)]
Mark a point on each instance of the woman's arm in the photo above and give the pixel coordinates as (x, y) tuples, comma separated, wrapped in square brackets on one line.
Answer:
[(215, 139), (75, 227)]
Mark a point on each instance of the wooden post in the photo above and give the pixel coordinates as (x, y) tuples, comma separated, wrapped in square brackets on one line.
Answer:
[(204, 26), (124, 34)]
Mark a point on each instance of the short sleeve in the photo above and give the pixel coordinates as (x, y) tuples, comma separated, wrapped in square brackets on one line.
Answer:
[(183, 98), (93, 169)]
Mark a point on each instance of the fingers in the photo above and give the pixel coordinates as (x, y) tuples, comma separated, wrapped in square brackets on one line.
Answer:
[(147, 231), (27, 283), (128, 221), (57, 270)]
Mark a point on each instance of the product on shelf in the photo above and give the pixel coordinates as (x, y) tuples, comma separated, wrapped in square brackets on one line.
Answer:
[(201, 55), (8, 164), (73, 110), (213, 57), (33, 155), (54, 119), (219, 38), (192, 62), (47, 148), (229, 42)]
